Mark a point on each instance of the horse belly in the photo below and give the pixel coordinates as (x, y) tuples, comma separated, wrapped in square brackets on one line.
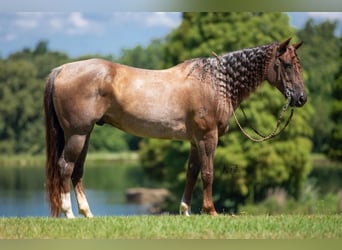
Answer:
[(148, 121), (157, 129)]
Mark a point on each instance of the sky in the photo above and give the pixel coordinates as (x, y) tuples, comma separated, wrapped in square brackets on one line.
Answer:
[(106, 33)]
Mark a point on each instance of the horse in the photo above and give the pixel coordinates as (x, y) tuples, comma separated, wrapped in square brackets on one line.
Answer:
[(192, 101)]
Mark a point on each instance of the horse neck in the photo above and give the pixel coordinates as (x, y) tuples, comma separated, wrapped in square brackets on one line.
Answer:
[(238, 74)]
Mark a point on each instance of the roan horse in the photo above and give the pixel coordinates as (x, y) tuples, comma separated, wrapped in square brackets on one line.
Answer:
[(191, 101)]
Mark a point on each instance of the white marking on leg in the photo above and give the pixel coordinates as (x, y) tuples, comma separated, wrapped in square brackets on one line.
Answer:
[(66, 205), (184, 209), (83, 206)]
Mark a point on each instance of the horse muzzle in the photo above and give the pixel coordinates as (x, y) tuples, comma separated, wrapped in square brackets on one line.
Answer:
[(298, 100)]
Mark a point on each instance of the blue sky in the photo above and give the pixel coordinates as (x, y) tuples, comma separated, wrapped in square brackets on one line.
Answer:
[(80, 33)]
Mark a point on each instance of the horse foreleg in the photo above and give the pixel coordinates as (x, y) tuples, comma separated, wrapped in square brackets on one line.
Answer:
[(191, 178), (207, 147), (72, 149)]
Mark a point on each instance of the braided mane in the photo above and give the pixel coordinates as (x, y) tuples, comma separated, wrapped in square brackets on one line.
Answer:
[(237, 74)]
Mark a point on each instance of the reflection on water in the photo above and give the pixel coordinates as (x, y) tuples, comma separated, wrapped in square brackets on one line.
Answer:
[(22, 191)]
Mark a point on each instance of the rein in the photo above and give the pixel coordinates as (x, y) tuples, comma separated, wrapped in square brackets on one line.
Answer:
[(271, 135)]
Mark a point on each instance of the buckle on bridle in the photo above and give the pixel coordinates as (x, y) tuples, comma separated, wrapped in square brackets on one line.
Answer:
[(286, 105)]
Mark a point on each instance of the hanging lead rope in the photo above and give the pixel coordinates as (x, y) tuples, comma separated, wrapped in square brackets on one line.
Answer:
[(263, 137)]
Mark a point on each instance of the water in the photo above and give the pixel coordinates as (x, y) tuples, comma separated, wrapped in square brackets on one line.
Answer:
[(22, 191)]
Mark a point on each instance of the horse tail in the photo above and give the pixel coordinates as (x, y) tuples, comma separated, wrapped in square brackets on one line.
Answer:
[(54, 140)]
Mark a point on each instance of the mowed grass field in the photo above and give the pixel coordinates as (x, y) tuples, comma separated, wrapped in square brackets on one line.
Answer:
[(175, 227)]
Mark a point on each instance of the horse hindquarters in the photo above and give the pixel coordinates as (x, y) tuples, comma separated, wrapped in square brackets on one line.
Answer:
[(65, 155)]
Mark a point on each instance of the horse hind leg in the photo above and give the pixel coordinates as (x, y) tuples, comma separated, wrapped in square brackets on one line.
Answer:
[(83, 206), (74, 145)]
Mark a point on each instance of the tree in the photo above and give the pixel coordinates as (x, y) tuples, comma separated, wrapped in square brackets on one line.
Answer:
[(244, 170), (149, 57), (18, 103), (320, 61), (335, 140), (22, 81)]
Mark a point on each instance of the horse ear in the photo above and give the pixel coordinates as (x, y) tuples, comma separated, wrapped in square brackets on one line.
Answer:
[(282, 47), (297, 45)]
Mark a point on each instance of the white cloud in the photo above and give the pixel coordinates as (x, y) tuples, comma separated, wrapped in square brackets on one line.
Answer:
[(72, 23), (166, 19), (27, 21), (77, 20), (149, 19), (55, 23), (10, 37), (78, 24)]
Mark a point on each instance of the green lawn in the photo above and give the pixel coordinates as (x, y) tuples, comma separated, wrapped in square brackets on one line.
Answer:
[(175, 227)]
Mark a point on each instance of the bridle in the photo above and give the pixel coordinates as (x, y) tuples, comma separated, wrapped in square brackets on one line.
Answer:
[(275, 132)]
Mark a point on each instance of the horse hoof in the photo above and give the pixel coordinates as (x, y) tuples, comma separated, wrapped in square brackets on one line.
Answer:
[(184, 209)]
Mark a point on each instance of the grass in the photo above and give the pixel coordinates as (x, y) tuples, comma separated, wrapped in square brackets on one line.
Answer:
[(175, 227)]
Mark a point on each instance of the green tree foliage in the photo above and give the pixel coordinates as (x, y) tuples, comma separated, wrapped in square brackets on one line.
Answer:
[(150, 57), (244, 170), (22, 78), (107, 139), (335, 142), (320, 60), (18, 103)]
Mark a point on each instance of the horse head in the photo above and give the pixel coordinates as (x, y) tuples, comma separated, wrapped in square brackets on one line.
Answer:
[(285, 73)]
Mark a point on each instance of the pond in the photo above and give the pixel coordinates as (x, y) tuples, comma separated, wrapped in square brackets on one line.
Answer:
[(22, 190)]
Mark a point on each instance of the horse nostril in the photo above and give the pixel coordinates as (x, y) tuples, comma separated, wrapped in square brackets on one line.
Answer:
[(302, 99)]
